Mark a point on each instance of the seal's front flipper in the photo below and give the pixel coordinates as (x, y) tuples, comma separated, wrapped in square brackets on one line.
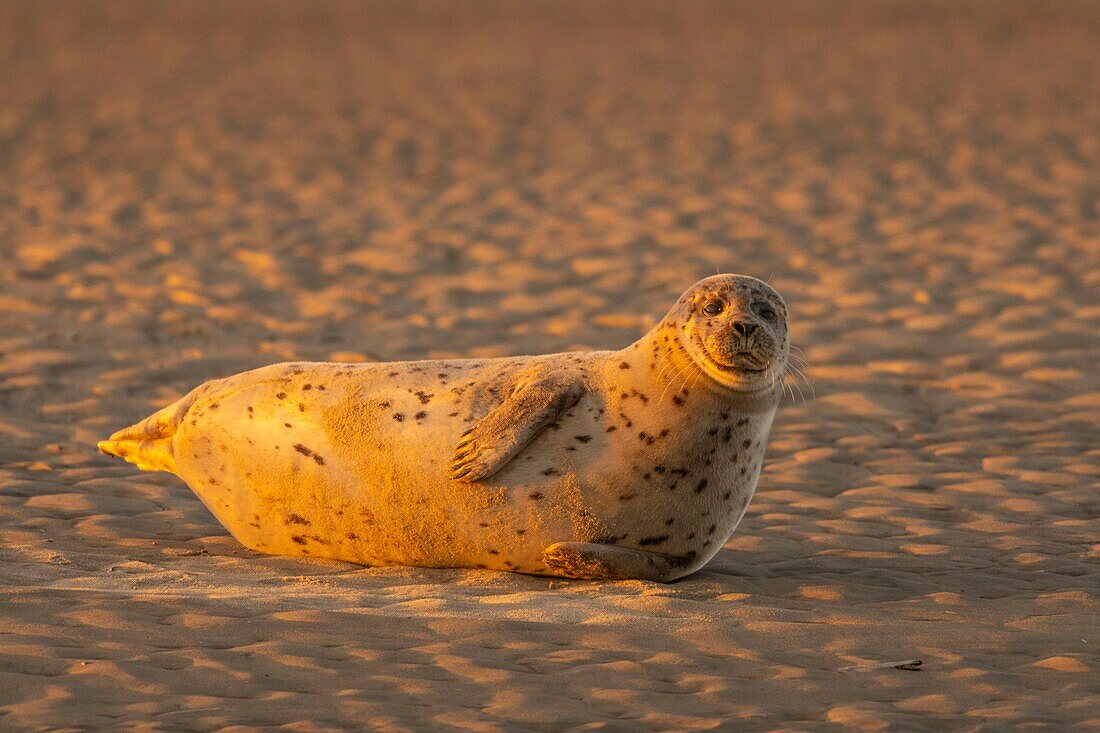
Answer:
[(589, 561), (496, 438)]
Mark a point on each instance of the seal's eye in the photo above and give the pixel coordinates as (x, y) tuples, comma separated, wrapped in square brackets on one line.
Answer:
[(713, 308), (765, 311)]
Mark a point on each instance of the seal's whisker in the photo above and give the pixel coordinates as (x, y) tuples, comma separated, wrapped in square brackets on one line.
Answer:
[(787, 383), (787, 387), (791, 367), (697, 378), (671, 362), (682, 384), (805, 378), (809, 382), (796, 378), (801, 362), (793, 386)]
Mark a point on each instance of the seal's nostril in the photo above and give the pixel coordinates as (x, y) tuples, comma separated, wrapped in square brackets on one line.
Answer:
[(745, 329)]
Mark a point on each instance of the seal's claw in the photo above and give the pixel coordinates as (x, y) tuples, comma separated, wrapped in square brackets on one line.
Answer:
[(463, 464), (467, 470), (591, 561)]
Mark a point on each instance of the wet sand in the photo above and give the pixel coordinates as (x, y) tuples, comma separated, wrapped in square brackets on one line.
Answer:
[(189, 191)]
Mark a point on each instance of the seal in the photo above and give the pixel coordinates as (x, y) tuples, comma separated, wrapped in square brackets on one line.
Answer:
[(636, 463)]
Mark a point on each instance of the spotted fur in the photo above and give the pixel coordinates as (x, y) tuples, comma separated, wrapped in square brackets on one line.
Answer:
[(631, 463)]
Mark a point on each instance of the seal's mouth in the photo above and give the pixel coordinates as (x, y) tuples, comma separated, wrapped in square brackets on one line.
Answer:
[(742, 362)]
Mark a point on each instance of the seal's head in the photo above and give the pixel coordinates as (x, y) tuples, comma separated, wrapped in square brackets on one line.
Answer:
[(735, 329)]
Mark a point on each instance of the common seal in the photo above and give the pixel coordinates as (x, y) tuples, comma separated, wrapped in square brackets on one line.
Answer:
[(636, 463)]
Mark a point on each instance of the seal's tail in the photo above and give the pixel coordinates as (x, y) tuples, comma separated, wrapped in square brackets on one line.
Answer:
[(148, 444)]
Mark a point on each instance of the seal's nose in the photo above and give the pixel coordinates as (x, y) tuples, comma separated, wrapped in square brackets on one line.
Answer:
[(743, 328)]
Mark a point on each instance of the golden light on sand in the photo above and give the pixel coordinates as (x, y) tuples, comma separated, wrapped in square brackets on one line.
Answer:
[(192, 190)]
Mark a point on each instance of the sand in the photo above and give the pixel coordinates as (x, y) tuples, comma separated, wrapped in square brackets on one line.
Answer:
[(192, 190)]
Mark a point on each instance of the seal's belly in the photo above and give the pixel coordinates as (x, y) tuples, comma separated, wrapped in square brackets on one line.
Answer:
[(338, 461), (638, 488), (328, 460), (349, 462)]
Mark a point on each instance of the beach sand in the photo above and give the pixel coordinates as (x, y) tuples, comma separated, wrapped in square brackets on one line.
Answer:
[(191, 190)]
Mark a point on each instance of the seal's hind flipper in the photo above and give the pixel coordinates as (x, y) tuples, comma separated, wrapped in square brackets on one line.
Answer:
[(590, 561), (496, 438), (148, 444)]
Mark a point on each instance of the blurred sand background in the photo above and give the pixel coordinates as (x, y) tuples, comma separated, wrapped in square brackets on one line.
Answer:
[(192, 189)]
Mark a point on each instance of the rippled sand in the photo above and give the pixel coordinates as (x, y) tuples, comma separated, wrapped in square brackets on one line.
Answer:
[(189, 191)]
